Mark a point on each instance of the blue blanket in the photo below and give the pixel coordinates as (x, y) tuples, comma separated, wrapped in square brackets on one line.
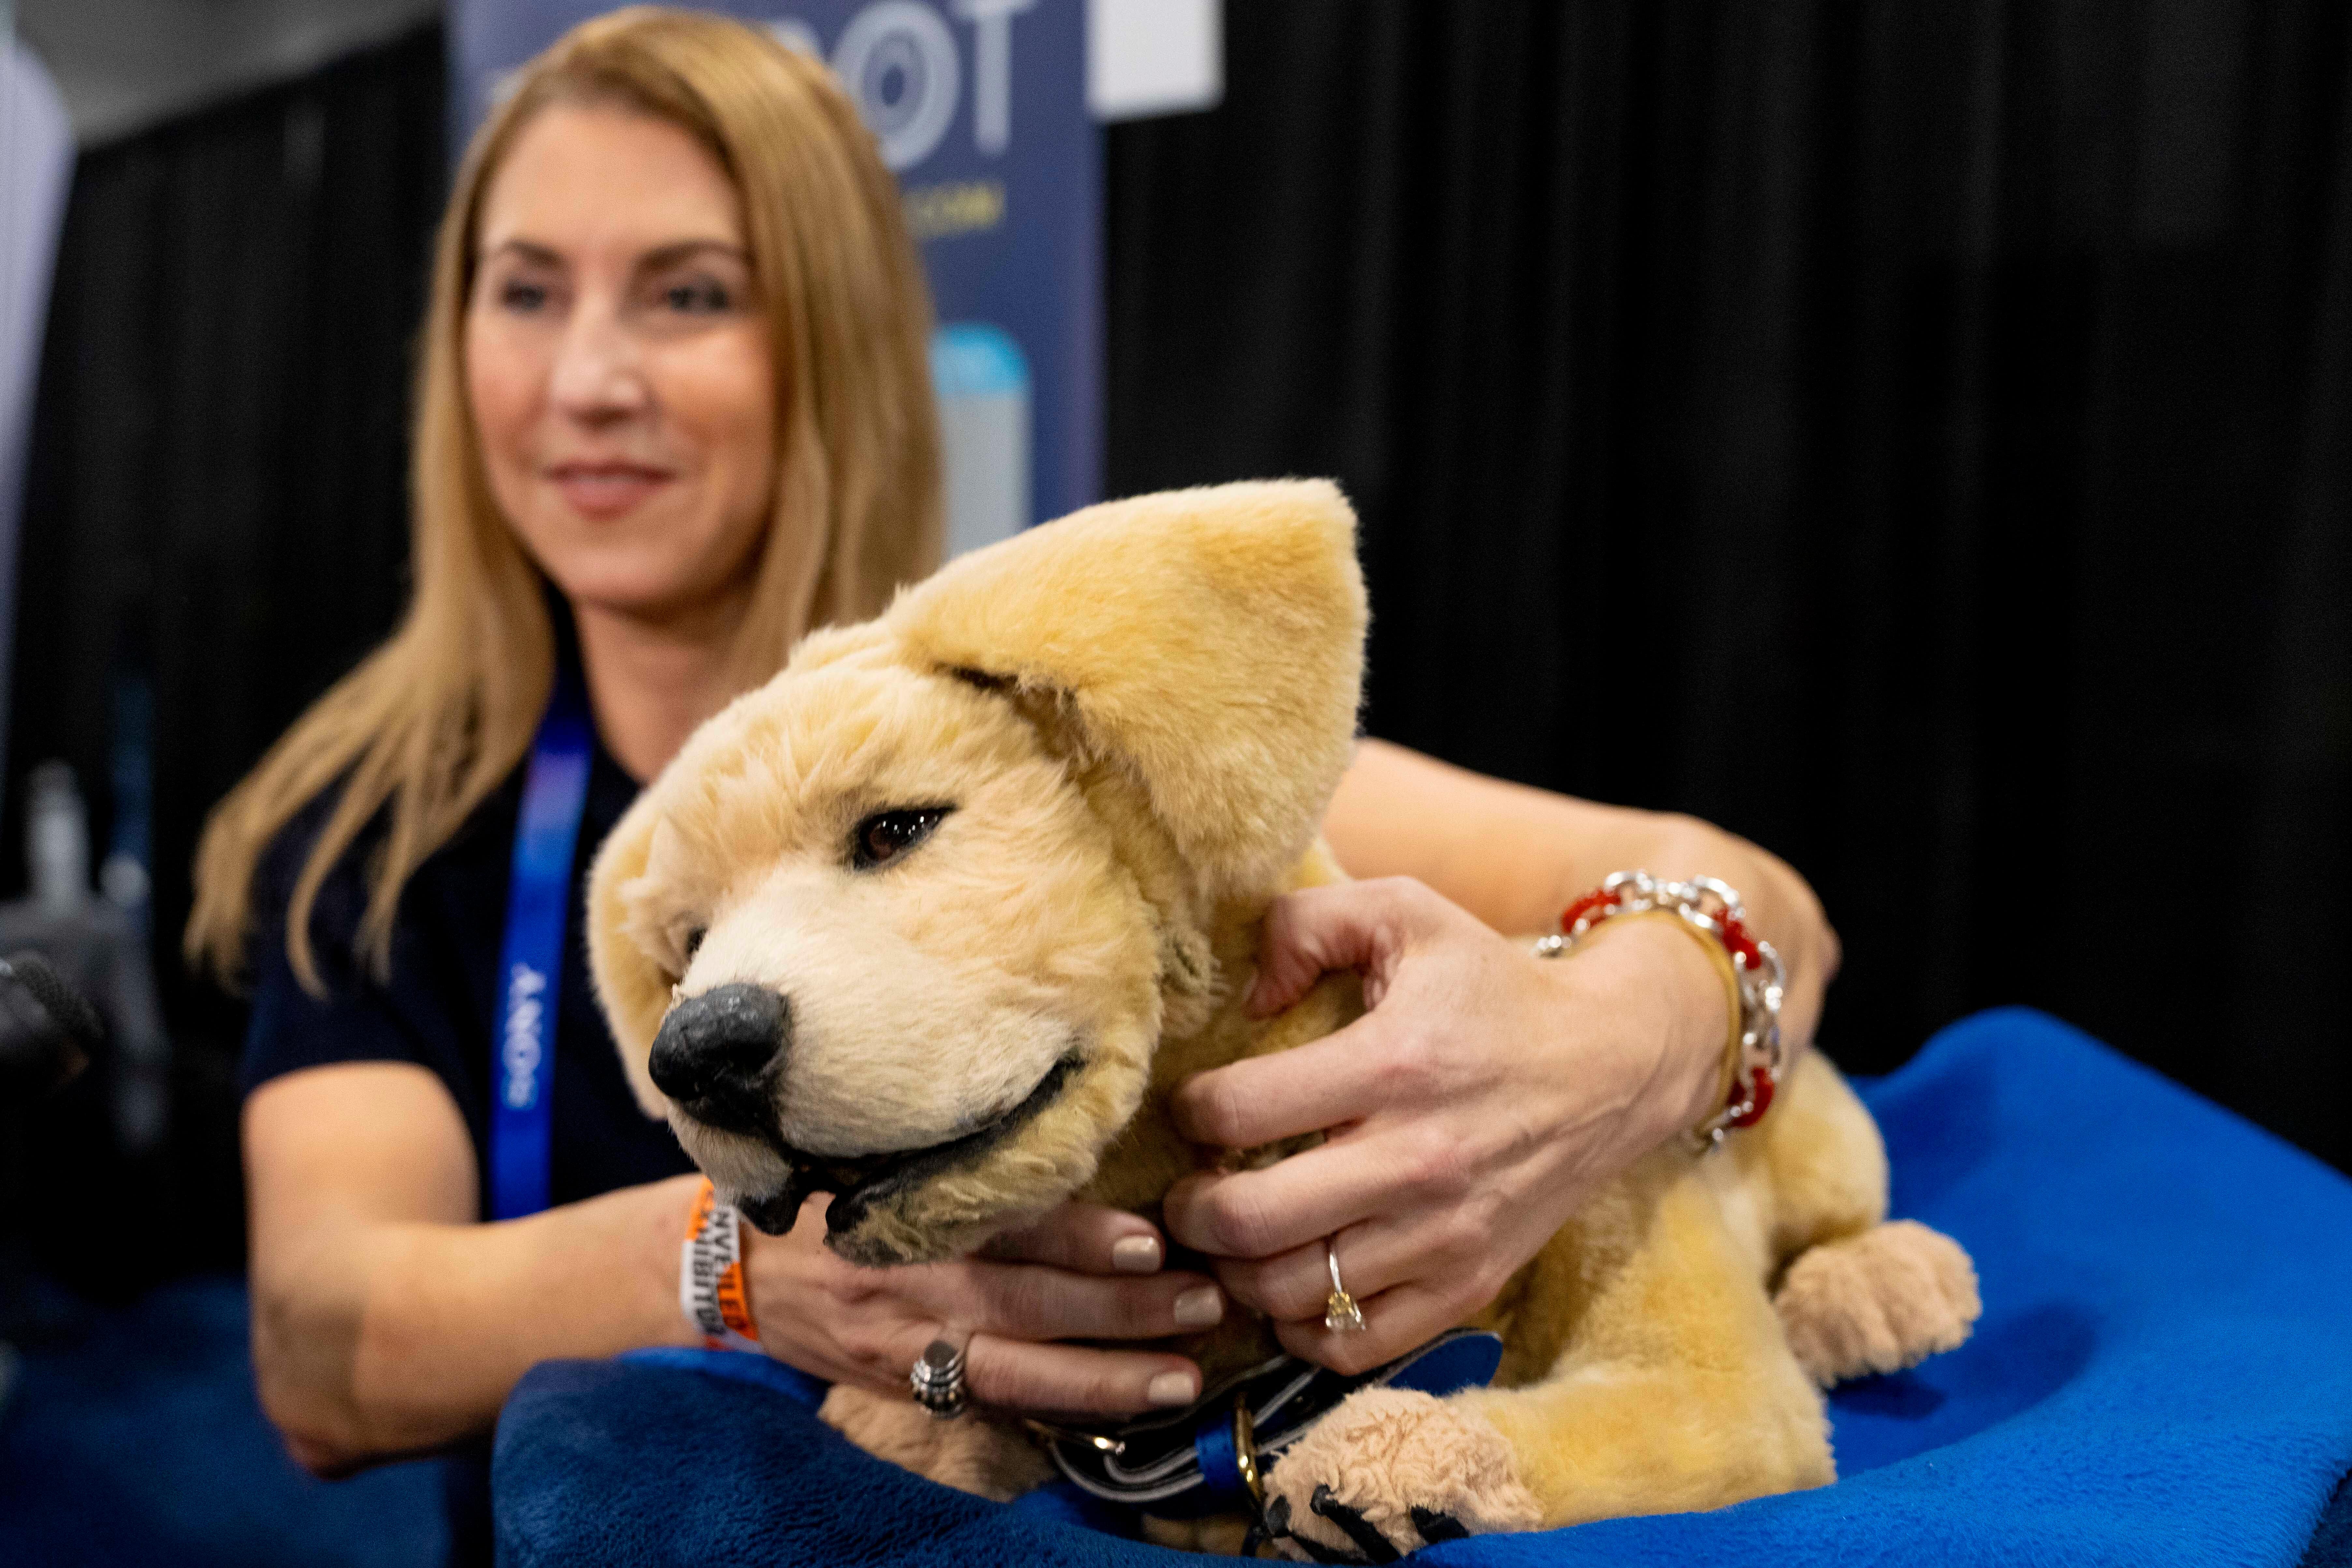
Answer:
[(2163, 1374)]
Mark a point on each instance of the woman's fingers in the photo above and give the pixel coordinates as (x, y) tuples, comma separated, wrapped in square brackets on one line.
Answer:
[(1295, 1285), (1310, 1196), (1383, 1059), (1024, 1301), (999, 1311), (1086, 1238), (1395, 1322), (1348, 925), (1263, 1100), (1074, 1380), (868, 1326)]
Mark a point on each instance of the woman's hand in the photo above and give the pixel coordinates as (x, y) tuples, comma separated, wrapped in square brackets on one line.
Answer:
[(1082, 1272), (1484, 1095)]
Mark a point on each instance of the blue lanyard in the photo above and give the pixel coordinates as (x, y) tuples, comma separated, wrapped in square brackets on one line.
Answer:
[(531, 961)]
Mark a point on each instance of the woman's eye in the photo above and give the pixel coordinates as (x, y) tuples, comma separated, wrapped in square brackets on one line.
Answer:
[(699, 298), (887, 834), (523, 296)]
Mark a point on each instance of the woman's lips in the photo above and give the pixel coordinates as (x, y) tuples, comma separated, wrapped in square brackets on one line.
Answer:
[(606, 489)]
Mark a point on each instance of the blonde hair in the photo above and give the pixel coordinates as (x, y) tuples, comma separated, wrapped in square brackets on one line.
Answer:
[(434, 719)]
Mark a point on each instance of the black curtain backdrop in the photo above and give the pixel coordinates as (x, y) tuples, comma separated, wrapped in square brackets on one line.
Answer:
[(1911, 434), (216, 508)]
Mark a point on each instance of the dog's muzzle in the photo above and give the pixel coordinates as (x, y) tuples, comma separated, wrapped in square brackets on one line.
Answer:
[(718, 1055), (861, 1182)]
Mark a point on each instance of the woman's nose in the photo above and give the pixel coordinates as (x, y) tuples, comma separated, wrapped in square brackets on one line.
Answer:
[(599, 374)]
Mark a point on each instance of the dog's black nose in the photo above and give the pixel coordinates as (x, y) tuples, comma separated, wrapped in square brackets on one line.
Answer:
[(717, 1054)]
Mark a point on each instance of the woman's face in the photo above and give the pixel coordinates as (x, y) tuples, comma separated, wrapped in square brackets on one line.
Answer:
[(618, 364)]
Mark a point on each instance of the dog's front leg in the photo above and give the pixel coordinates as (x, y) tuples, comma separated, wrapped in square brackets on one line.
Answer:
[(1667, 1387), (971, 1454)]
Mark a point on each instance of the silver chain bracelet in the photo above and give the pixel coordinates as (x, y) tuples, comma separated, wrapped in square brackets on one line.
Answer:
[(1712, 909)]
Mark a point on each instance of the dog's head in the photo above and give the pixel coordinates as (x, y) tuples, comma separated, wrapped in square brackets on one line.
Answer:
[(905, 923)]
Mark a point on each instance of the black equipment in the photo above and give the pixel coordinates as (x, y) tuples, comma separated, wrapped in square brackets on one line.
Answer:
[(47, 1030)]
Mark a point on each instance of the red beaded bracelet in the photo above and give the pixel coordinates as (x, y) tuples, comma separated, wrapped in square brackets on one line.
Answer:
[(1712, 910)]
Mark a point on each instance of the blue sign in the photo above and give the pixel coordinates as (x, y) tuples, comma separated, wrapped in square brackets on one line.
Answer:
[(980, 109)]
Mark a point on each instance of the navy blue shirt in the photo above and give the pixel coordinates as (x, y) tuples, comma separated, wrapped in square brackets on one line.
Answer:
[(437, 1008)]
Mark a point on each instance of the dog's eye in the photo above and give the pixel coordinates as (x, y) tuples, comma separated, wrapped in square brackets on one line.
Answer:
[(686, 946), (887, 834)]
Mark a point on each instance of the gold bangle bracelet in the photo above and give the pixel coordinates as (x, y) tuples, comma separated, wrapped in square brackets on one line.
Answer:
[(1721, 959), (1755, 980)]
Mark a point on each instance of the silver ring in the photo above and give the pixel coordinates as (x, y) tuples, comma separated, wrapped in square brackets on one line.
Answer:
[(938, 1380), (1340, 1313)]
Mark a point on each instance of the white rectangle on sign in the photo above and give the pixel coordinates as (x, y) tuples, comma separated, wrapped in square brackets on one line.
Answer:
[(1154, 57)]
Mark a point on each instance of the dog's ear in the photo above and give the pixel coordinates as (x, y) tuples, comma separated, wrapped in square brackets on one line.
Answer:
[(1211, 640), (622, 957)]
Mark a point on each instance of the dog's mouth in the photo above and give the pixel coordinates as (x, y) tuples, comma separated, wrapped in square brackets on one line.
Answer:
[(860, 1182)]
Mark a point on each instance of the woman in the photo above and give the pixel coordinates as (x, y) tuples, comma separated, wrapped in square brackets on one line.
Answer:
[(671, 413)]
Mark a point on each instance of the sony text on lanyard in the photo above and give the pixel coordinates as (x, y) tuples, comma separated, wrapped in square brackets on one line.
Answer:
[(531, 960)]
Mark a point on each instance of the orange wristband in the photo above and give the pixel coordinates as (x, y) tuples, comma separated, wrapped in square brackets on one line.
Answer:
[(710, 1274)]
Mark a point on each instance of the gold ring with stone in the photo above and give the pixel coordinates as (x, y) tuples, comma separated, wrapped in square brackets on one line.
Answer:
[(1340, 1313)]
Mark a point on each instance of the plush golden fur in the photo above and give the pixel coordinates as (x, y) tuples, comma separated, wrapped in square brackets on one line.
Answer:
[(1137, 716)]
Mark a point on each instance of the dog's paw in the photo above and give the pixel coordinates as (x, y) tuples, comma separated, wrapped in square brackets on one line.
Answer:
[(1388, 1472), (1877, 1302)]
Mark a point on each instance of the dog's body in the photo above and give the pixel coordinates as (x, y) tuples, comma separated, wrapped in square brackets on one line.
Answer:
[(938, 918)]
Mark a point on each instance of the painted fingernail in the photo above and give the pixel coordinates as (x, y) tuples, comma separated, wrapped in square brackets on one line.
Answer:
[(1171, 1388), (1136, 1255), (1201, 1306)]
